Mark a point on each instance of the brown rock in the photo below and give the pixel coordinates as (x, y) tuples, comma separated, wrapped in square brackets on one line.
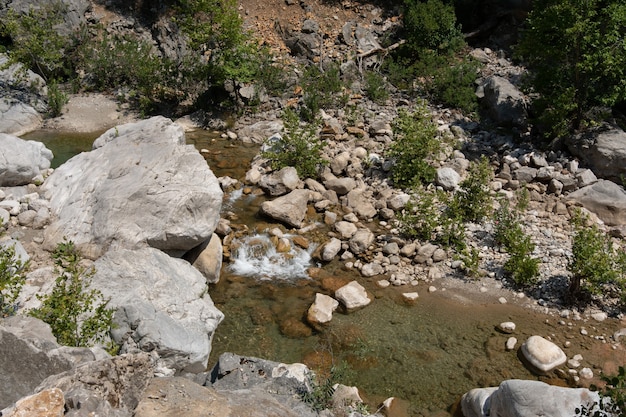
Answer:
[(47, 403)]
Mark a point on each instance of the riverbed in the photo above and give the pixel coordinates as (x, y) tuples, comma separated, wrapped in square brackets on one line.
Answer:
[(427, 352)]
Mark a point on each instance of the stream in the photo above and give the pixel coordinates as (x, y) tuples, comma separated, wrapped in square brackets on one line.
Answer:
[(427, 353)]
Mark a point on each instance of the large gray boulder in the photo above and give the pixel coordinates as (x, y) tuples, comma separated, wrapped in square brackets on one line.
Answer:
[(141, 186), (179, 396), (30, 354), (521, 398), (23, 98), (603, 150), (604, 198), (21, 160), (233, 372), (289, 209), (162, 306), (505, 103)]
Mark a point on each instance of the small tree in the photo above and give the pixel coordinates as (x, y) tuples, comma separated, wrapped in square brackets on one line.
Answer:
[(596, 266), (77, 315), (36, 40), (576, 53), (12, 278), (299, 147), (415, 144), (431, 25)]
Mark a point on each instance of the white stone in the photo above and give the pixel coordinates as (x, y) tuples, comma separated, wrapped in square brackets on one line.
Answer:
[(510, 344), (383, 283), (448, 178), (585, 373), (353, 295), (543, 354), (507, 327), (600, 316), (321, 311), (521, 398), (410, 296)]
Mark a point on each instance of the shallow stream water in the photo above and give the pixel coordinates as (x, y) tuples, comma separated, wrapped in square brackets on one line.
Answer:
[(427, 353)]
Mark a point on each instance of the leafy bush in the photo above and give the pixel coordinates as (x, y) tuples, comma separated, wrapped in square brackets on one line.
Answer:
[(299, 147), (322, 388), (415, 143), (12, 277), (472, 202), (612, 397), (431, 24), (420, 217), (323, 89), (596, 266), (77, 315), (581, 63), (454, 85), (56, 99), (36, 41), (521, 266), (375, 87)]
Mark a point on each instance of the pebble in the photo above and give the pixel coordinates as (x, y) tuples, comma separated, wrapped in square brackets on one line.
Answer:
[(585, 373), (502, 300), (510, 343), (507, 327)]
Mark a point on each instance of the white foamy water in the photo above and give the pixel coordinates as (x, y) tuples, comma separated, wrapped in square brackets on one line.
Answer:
[(256, 256), (232, 198)]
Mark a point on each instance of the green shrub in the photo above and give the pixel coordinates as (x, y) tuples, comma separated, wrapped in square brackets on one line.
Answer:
[(299, 147), (581, 64), (521, 266), (596, 266), (320, 397), (77, 315), (323, 89), (431, 24), (36, 41), (12, 278), (420, 217), (612, 397), (375, 87), (56, 99), (124, 62), (471, 261), (454, 85), (472, 202), (415, 143)]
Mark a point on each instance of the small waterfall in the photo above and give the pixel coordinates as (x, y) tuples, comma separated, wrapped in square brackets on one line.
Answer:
[(257, 256)]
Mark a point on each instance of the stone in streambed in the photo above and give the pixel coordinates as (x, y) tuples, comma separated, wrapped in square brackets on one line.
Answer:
[(353, 295), (321, 311), (542, 355), (290, 209)]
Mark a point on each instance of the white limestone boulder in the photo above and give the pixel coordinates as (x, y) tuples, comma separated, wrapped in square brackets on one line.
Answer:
[(605, 199), (162, 305), (140, 186), (353, 295), (322, 309), (290, 209), (542, 354), (21, 160)]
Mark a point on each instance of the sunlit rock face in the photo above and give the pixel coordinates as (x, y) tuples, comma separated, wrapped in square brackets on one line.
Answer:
[(140, 186)]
